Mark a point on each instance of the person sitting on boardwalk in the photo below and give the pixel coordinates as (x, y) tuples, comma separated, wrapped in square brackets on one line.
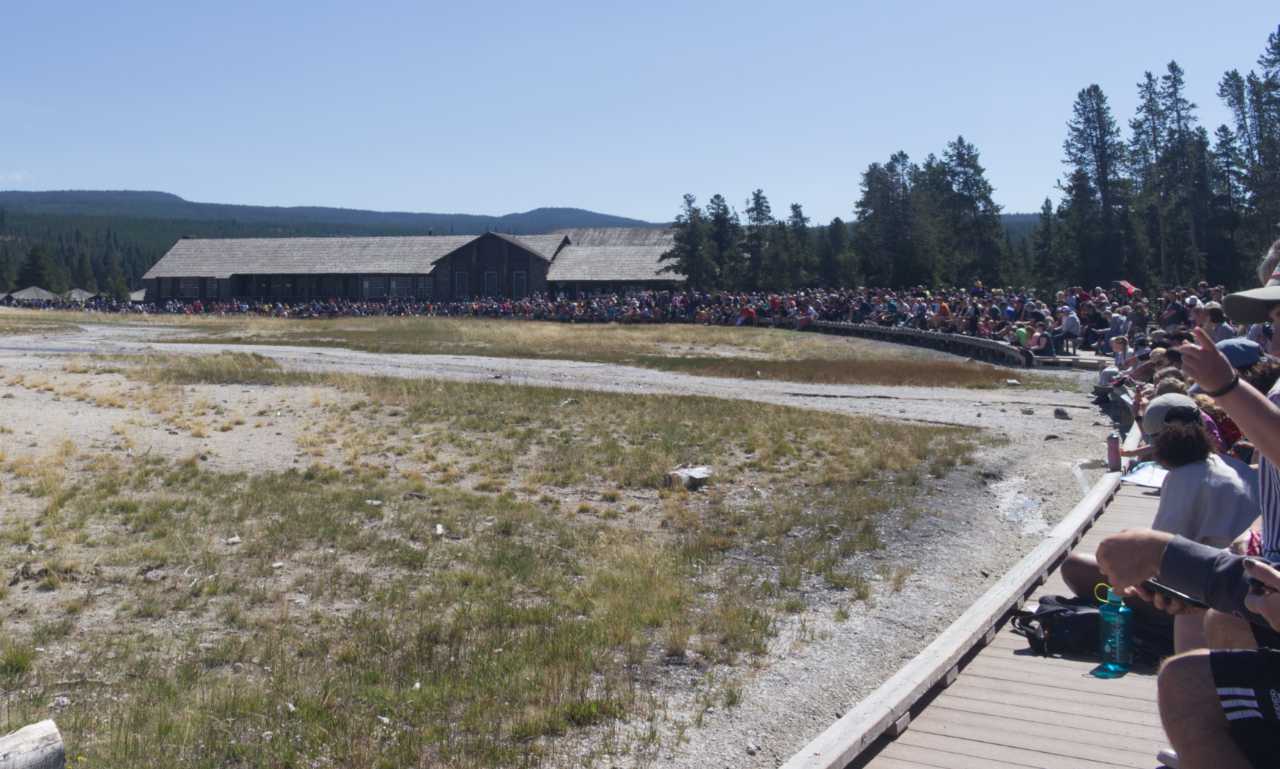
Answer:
[(1205, 497), (1218, 707)]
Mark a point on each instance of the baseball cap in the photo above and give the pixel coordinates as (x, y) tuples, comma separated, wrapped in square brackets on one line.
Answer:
[(1192, 301), (1242, 352), (1170, 407)]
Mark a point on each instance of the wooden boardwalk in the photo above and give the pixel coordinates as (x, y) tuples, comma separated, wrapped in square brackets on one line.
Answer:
[(1008, 708)]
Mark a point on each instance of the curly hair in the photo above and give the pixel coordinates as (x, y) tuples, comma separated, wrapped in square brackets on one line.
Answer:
[(1181, 443), (1263, 374)]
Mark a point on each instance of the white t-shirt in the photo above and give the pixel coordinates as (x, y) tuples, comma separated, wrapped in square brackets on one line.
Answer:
[(1210, 502)]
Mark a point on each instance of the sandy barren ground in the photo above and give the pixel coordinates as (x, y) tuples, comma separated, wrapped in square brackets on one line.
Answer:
[(981, 521)]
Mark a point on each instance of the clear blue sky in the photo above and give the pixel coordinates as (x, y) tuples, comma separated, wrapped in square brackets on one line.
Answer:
[(487, 107)]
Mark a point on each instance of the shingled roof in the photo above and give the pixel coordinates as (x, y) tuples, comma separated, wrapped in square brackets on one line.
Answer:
[(613, 255), (598, 254), (224, 257)]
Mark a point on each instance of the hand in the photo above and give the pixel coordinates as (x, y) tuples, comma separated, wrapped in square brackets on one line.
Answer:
[(1204, 363), (1268, 604), (1240, 545), (1132, 556), (1170, 606)]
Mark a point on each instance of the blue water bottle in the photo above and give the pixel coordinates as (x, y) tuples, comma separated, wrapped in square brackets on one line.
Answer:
[(1114, 643)]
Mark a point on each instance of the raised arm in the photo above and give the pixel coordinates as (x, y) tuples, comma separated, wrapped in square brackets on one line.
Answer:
[(1256, 416)]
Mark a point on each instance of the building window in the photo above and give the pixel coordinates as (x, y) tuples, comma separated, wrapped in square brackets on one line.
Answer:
[(400, 287), (460, 290), (519, 284), (490, 283), (425, 287), (374, 288), (189, 288)]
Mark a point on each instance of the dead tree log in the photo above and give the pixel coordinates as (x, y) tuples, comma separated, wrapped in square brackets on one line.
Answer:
[(38, 746)]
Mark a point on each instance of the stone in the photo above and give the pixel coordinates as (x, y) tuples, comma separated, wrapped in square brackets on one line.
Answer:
[(414, 495), (278, 565), (1052, 437), (234, 539), (1028, 412), (691, 478), (1013, 383), (1061, 413), (61, 701)]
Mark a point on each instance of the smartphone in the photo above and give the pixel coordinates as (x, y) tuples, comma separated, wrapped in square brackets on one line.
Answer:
[(1155, 587)]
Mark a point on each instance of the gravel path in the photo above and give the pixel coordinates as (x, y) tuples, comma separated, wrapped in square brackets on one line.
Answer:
[(975, 523)]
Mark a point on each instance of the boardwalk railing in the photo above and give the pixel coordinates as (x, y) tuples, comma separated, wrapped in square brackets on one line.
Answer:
[(988, 350), (887, 710)]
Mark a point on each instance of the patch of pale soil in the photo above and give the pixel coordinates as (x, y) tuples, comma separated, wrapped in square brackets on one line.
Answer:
[(234, 428), (966, 530)]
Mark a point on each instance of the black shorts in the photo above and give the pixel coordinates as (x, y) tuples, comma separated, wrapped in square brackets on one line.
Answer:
[(1248, 684)]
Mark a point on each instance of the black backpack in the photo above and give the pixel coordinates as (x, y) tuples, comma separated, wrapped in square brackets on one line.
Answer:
[(1069, 627), (1060, 627)]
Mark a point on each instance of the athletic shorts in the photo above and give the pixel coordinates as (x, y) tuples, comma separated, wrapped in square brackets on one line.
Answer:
[(1248, 684)]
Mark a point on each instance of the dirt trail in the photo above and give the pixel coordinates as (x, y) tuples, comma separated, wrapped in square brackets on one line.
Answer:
[(977, 521)]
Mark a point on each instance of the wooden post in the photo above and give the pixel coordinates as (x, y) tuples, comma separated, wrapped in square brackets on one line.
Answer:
[(38, 746)]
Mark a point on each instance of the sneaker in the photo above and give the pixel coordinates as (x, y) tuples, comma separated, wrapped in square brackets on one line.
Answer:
[(1168, 757)]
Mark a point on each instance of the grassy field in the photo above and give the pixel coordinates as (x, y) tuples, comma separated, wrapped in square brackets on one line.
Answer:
[(751, 353), (463, 575), (748, 353)]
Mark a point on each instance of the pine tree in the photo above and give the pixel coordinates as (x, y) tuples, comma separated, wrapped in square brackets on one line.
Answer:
[(689, 254), (724, 241), (1094, 150), (82, 276), (759, 223), (799, 251), (974, 217), (834, 267)]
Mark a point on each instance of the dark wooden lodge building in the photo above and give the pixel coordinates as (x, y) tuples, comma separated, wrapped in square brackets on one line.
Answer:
[(430, 267)]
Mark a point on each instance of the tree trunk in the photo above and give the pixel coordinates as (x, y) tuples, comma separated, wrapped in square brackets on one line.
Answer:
[(38, 746)]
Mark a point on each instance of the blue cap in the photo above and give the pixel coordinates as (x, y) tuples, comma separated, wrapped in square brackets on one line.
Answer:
[(1241, 352)]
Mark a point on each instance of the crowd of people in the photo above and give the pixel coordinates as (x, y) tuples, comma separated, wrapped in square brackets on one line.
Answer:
[(1206, 398), (1076, 318)]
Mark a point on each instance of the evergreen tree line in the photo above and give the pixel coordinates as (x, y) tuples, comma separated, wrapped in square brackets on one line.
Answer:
[(1164, 205)]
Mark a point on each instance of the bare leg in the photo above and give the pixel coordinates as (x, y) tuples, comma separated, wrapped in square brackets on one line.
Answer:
[(1192, 717), (1188, 632), (1080, 572), (1224, 631)]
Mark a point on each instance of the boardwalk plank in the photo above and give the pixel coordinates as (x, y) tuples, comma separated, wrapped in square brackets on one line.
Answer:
[(1009, 709), (992, 753), (1038, 713), (1064, 742)]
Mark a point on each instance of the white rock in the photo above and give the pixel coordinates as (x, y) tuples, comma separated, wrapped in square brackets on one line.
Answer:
[(384, 720), (688, 477), (234, 539), (373, 502), (278, 565), (439, 530)]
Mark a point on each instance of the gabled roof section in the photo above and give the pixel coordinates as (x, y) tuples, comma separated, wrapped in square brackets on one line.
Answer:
[(545, 246), (613, 255), (224, 257), (33, 294)]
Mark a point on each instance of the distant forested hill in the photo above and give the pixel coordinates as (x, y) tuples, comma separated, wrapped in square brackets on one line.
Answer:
[(163, 205), (91, 238)]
